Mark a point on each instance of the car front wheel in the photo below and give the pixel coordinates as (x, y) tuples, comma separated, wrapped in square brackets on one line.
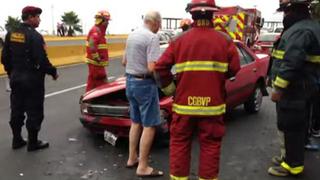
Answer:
[(253, 104)]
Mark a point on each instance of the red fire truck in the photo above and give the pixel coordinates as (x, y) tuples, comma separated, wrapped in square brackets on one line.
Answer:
[(239, 23)]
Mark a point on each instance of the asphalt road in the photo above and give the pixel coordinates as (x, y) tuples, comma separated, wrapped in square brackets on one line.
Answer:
[(74, 153)]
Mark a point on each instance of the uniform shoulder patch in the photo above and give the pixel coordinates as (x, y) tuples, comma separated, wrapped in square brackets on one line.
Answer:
[(17, 37)]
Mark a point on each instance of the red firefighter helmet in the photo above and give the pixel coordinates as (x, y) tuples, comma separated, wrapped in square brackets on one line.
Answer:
[(185, 22), (103, 14), (284, 4), (201, 5)]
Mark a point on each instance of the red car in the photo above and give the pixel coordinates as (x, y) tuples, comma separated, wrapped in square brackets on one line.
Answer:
[(106, 108), (265, 42)]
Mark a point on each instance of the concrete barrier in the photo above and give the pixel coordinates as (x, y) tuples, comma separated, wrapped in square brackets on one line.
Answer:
[(61, 55)]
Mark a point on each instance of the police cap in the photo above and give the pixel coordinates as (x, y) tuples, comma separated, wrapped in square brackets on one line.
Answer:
[(31, 10)]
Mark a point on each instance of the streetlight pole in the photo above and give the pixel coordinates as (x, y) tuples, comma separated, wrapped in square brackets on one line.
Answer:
[(52, 19)]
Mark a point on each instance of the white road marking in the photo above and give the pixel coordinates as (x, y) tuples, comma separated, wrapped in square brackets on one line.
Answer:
[(70, 89)]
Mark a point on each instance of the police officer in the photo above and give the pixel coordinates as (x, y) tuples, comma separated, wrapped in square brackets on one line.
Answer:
[(25, 60), (198, 106), (295, 72)]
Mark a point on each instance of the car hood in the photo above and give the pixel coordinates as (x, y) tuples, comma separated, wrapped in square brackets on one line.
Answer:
[(108, 88)]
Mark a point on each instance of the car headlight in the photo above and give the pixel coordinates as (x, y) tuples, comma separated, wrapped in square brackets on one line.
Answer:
[(84, 108)]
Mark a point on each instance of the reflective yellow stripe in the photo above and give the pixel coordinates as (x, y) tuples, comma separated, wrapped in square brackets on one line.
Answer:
[(95, 55), (172, 177), (240, 34), (279, 54), (201, 66), (200, 110), (102, 63), (102, 46), (242, 15), (314, 59), (232, 35), (208, 179), (295, 170), (281, 82), (169, 90)]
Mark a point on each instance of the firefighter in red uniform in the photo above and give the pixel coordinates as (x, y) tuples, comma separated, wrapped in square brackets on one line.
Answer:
[(97, 52), (202, 67)]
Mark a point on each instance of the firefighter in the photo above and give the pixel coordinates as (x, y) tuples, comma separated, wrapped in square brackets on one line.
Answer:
[(295, 74), (25, 60), (97, 52), (198, 106), (185, 24)]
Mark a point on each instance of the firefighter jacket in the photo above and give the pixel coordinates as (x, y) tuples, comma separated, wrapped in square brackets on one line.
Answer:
[(24, 52), (97, 52), (203, 59), (296, 59)]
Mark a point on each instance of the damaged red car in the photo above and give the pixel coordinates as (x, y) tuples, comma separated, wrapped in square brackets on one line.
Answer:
[(105, 110)]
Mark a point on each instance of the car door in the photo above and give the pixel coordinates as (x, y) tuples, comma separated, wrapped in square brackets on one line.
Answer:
[(240, 87)]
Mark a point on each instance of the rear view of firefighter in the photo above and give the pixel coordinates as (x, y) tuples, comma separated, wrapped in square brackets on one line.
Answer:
[(97, 52), (295, 73), (185, 24), (198, 106)]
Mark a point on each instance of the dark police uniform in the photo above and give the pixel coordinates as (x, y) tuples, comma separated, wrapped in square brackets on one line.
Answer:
[(25, 60), (296, 72)]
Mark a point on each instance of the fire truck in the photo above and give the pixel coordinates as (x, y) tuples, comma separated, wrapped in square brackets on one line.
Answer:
[(239, 23)]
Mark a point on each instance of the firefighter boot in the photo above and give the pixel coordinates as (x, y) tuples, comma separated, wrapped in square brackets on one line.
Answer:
[(278, 171), (34, 144), (17, 140)]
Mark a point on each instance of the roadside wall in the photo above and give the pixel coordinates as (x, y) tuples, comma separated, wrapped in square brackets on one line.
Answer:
[(74, 51)]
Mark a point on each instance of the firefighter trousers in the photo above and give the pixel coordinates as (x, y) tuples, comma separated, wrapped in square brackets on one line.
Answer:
[(97, 77), (210, 131), (292, 116), (27, 97)]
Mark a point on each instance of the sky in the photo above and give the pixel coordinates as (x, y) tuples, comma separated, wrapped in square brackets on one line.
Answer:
[(125, 15)]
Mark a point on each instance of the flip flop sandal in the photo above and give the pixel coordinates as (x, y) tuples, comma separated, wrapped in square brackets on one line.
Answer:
[(154, 173), (134, 165)]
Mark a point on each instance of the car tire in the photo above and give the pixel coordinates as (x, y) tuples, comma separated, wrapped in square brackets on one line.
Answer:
[(253, 104)]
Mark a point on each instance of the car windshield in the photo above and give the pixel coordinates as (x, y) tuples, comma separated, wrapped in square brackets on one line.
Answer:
[(268, 37)]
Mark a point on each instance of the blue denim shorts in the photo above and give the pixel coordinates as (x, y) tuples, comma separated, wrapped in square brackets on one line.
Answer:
[(144, 101)]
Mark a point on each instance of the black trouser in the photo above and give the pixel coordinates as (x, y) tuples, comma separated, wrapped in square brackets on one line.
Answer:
[(315, 123), (292, 116), (27, 97)]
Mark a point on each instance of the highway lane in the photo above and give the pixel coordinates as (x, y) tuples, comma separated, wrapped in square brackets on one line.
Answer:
[(249, 144)]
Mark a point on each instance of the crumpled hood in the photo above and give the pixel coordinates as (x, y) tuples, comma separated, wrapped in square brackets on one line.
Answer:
[(102, 90)]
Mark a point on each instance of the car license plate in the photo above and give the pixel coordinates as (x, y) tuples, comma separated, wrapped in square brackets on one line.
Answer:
[(110, 137)]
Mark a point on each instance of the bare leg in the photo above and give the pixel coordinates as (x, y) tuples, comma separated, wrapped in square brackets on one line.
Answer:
[(145, 146), (134, 136)]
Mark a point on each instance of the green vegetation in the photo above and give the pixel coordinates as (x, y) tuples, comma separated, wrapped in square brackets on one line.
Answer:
[(72, 21), (12, 23)]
